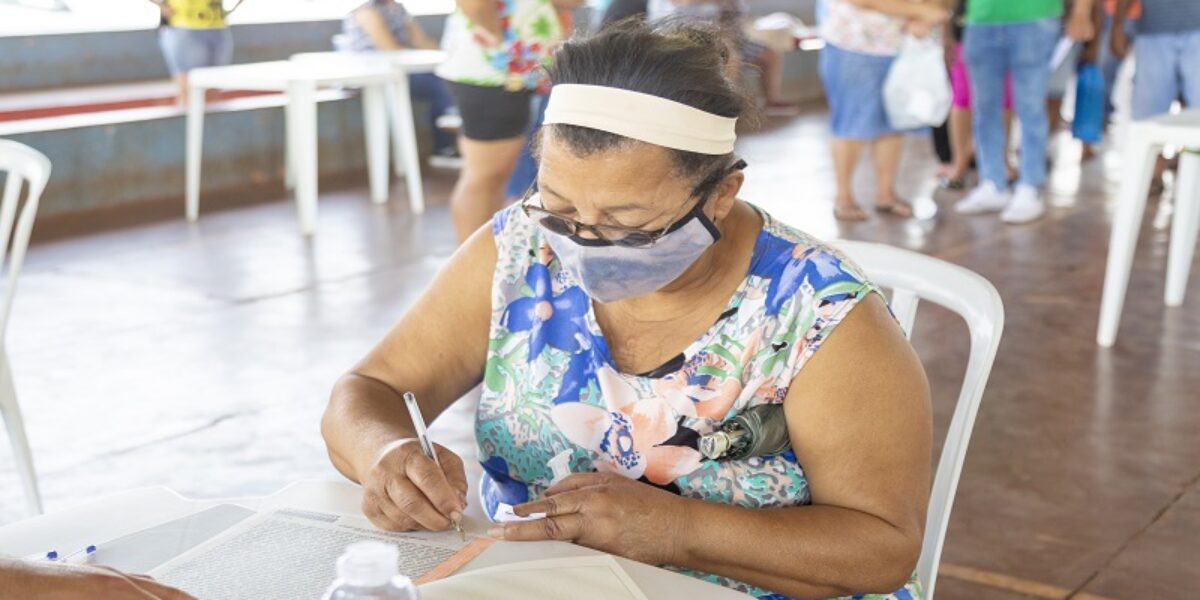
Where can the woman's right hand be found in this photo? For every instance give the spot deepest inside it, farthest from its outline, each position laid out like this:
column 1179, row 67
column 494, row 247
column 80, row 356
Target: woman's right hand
column 56, row 581
column 404, row 490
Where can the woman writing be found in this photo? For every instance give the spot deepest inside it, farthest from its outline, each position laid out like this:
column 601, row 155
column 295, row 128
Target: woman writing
column 632, row 308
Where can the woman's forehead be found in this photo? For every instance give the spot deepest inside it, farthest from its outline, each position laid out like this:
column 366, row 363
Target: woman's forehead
column 626, row 165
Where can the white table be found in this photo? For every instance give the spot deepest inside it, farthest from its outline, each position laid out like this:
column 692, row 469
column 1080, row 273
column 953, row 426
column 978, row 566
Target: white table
column 1141, row 151
column 399, row 103
column 300, row 82
column 126, row 512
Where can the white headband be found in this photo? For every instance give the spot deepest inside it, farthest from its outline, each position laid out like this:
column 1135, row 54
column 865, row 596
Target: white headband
column 642, row 117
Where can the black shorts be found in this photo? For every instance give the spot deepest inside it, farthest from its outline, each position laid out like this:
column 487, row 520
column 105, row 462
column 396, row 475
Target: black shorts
column 491, row 113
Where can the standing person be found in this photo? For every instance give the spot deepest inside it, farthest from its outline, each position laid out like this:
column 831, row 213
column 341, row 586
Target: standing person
column 962, row 142
column 1014, row 38
column 1110, row 63
column 862, row 39
column 387, row 25
column 730, row 16
column 193, row 33
column 1167, row 54
column 495, row 51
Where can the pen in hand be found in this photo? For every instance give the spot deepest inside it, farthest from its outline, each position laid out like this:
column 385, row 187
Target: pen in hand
column 414, row 412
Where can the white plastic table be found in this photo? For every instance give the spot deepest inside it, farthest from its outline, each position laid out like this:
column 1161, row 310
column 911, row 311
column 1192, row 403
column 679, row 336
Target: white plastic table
column 300, row 82
column 1146, row 139
column 126, row 512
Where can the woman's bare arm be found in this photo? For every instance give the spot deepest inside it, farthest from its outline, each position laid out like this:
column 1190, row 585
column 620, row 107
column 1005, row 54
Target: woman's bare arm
column 859, row 418
column 437, row 350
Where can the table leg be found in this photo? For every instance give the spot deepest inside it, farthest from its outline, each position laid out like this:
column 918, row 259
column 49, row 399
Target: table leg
column 1184, row 228
column 394, row 126
column 194, row 149
column 406, row 133
column 1138, row 168
column 289, row 161
column 303, row 100
column 376, row 132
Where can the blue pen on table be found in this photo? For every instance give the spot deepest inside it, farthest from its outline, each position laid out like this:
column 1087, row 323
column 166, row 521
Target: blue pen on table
column 414, row 412
column 80, row 556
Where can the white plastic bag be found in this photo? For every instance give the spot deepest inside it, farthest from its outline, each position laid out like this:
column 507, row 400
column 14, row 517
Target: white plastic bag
column 917, row 90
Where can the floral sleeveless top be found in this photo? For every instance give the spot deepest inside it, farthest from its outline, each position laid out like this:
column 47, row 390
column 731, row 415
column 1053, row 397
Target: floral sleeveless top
column 551, row 390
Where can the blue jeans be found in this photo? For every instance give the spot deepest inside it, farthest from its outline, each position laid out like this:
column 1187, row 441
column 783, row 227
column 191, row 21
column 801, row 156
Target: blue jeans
column 427, row 87
column 525, row 174
column 187, row 49
column 1109, row 63
column 1168, row 66
column 1022, row 51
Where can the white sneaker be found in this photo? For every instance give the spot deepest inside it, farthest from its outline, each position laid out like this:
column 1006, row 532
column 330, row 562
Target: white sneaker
column 1026, row 206
column 985, row 198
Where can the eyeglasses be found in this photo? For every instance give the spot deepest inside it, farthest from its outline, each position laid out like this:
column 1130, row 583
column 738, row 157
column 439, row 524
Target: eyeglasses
column 619, row 235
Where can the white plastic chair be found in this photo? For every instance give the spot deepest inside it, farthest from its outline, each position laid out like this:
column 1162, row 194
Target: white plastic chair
column 1146, row 140
column 912, row 277
column 23, row 166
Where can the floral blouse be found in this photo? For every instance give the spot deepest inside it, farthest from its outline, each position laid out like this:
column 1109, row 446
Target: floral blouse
column 532, row 30
column 552, row 391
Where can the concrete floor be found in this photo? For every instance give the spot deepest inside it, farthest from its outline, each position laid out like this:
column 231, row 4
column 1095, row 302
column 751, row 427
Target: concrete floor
column 199, row 357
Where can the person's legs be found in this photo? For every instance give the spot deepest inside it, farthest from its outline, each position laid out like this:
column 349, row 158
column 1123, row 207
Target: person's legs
column 1189, row 67
column 479, row 192
column 854, row 89
column 770, row 64
column 987, row 64
column 1031, row 77
column 885, row 154
column 1156, row 81
column 845, row 159
column 219, row 44
column 961, row 142
column 493, row 131
column 171, row 41
column 983, row 49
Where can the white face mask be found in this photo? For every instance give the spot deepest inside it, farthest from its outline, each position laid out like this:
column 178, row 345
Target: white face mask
column 609, row 273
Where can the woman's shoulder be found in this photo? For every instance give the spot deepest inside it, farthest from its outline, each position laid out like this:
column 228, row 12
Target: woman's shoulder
column 789, row 263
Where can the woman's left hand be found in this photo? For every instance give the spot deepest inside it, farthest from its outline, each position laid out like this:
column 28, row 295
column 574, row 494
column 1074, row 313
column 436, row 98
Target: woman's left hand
column 607, row 512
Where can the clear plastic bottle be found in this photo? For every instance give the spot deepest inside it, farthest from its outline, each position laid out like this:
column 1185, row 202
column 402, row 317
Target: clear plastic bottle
column 371, row 571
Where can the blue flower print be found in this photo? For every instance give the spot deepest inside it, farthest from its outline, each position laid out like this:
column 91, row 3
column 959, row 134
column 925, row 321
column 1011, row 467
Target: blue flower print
column 555, row 320
column 498, row 486
column 581, row 369
column 788, row 265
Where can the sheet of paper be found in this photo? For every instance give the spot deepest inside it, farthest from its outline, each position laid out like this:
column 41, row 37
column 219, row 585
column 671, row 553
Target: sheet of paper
column 292, row 554
column 582, row 578
column 505, row 514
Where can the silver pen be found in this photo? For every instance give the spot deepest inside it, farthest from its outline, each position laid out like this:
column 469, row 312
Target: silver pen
column 414, row 413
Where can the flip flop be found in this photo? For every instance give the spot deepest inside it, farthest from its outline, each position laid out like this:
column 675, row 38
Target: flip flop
column 851, row 213
column 897, row 208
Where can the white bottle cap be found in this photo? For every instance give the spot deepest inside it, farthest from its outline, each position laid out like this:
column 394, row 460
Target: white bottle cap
column 369, row 564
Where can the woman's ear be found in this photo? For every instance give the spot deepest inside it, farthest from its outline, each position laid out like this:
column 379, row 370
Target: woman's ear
column 726, row 193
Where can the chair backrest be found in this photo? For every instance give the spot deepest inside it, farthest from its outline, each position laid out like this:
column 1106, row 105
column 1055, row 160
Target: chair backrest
column 912, row 277
column 23, row 167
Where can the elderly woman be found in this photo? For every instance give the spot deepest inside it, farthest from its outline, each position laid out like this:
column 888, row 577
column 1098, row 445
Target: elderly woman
column 631, row 309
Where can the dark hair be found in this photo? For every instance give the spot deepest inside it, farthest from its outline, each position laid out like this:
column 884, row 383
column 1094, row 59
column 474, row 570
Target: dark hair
column 684, row 62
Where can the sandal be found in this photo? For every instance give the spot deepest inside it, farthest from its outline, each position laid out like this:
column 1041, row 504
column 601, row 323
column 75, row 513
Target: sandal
column 896, row 208
column 849, row 213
